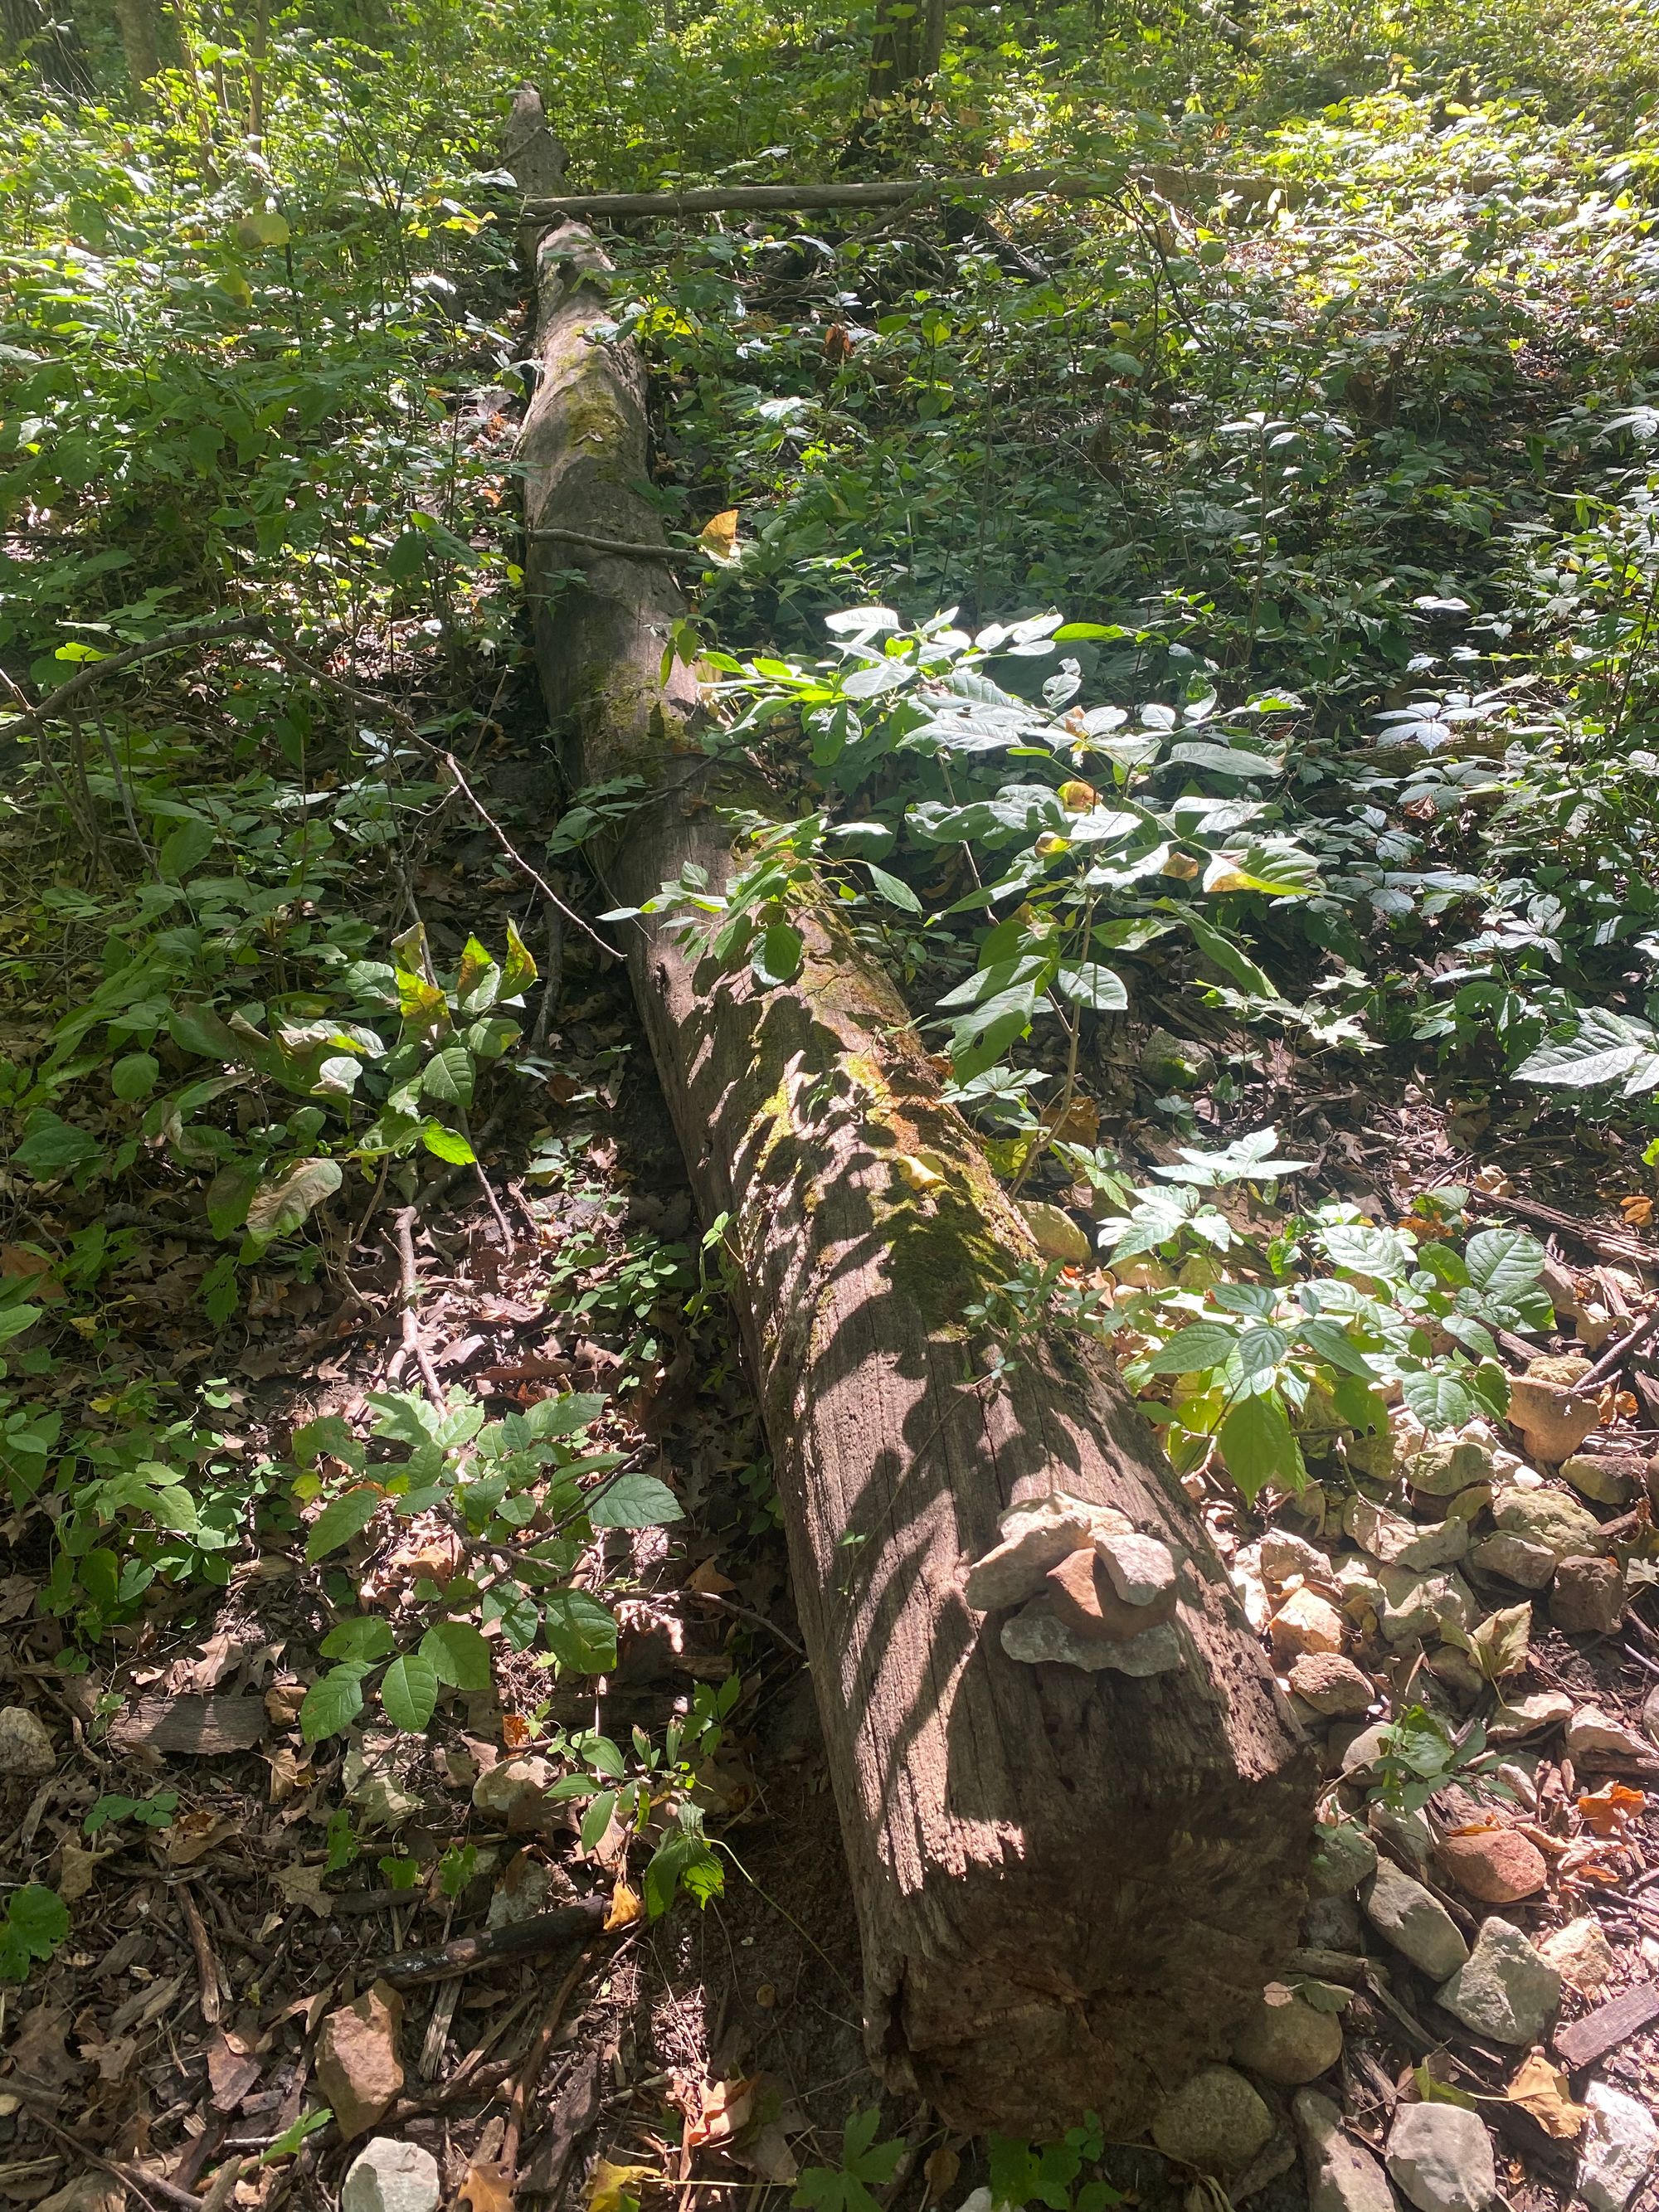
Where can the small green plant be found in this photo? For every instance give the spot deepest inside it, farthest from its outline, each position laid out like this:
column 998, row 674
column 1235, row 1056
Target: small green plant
column 37, row 1921
column 155, row 1811
column 1022, row 2173
column 864, row 2164
column 1421, row 1754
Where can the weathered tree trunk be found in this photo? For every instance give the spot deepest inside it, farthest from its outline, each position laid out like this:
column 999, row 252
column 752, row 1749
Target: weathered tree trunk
column 1069, row 1884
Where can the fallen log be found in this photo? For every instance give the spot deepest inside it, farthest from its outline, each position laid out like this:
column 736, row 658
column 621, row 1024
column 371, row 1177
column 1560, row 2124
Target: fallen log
column 1068, row 1883
column 1186, row 188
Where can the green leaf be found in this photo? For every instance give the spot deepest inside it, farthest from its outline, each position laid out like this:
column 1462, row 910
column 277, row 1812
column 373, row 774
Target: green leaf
column 52, row 1148
column 1329, row 1339
column 634, row 1501
column 187, row 846
column 1258, row 1447
column 595, row 1819
column 447, row 1144
column 291, row 2139
column 279, row 1206
column 1438, row 1400
column 1604, row 1047
column 38, row 1919
column 134, row 1075
column 518, row 968
column 777, row 956
column 340, row 1520
column 1230, row 958
column 1091, row 985
column 363, row 1637
column 409, row 1691
column 894, row 889
column 1503, row 1262
column 1381, row 1254
column 478, row 984
column 1191, row 1351
column 228, row 1198
column 329, row 1432
column 582, row 1633
column 458, row 1654
column 447, row 1076
column 562, row 1416
column 332, row 1703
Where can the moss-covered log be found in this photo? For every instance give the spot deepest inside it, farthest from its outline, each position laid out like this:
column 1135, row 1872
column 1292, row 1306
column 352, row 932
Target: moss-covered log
column 1069, row 1883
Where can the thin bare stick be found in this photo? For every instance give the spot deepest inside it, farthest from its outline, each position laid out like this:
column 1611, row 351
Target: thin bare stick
column 513, row 854
column 629, row 548
column 530, row 2074
column 408, row 1287
column 484, row 1183
column 583, row 1923
column 1616, row 1354
column 93, row 673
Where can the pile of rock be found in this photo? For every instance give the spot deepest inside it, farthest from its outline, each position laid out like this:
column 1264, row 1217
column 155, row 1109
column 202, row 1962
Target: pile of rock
column 1091, row 1590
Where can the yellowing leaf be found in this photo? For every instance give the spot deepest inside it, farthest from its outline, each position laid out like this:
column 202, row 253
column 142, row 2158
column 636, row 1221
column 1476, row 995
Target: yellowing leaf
column 1541, row 2089
column 719, row 538
column 919, row 1172
column 609, row 2187
column 1608, row 1809
column 1637, row 1211
column 625, row 1908
column 487, row 2186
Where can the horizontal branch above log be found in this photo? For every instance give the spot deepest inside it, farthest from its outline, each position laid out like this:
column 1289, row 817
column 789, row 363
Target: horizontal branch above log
column 1185, row 188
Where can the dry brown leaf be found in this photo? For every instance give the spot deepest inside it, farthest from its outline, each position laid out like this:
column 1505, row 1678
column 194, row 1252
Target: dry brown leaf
column 719, row 535
column 939, row 2170
column 1606, row 1810
column 707, row 1578
column 515, row 1731
column 726, row 2110
column 288, row 1772
column 194, row 1835
column 487, row 2186
column 303, row 1884
column 283, row 1701
column 76, row 1870
column 1542, row 2090
column 1638, row 1210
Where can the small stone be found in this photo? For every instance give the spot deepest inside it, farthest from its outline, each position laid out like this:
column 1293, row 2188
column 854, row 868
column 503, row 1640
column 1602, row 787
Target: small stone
column 1057, row 1236
column 1344, row 1856
column 1332, row 1685
column 358, row 2069
column 1515, row 1559
column 1407, row 1835
column 382, row 1800
column 1035, row 1537
column 1286, row 2039
column 1140, row 1568
column 1441, row 2155
column 512, row 1791
column 1305, row 1622
column 1588, row 1597
column 1580, row 1953
column 1037, row 1637
column 1396, row 1541
column 1217, row 2122
column 1413, row 1921
column 1365, row 1750
column 388, row 2176
column 1620, row 2138
column 1083, row 1597
column 1603, row 1481
column 1528, row 1715
column 1331, row 1923
column 1551, row 1416
column 1282, row 1555
column 1371, row 1455
column 1597, row 1736
column 1416, row 1605
column 1342, row 2175
column 1552, row 1518
column 522, row 1892
column 1457, row 1671
column 1650, row 1712
column 1494, row 1865
column 1173, row 1063
column 1563, row 1370
column 1559, row 1287
column 1505, row 1991
column 25, row 1747
column 1441, row 1470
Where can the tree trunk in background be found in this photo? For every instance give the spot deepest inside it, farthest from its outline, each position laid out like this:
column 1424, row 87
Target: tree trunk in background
column 1068, row 1885
column 909, row 37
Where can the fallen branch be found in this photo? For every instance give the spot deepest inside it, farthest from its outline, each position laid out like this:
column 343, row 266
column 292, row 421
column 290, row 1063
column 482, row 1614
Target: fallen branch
column 409, row 1297
column 629, row 548
column 1551, row 1217
column 521, row 1939
column 1616, row 1354
column 92, row 673
column 1183, row 188
column 527, row 2080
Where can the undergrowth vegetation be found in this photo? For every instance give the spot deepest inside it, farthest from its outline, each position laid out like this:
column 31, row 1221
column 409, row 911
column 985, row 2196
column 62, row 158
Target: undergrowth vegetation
column 1228, row 600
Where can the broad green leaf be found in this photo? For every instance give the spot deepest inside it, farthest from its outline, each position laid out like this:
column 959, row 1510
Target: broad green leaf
column 1326, row 1336
column 186, row 848
column 228, row 1198
column 777, row 956
column 634, row 1501
column 1230, row 958
column 340, row 1519
column 447, row 1144
column 280, row 1206
column 458, row 1654
column 595, row 1819
column 447, row 1076
column 409, row 1691
column 363, row 1637
column 518, row 968
column 1091, row 985
column 1502, row 1262
column 562, row 1416
column 1438, row 1398
column 329, row 1432
column 38, row 1919
column 52, row 1148
column 894, row 889
column 1382, row 1254
column 134, row 1075
column 1605, row 1047
column 1194, row 1350
column 1258, row 1447
column 580, row 1633
column 478, row 984
column 332, row 1703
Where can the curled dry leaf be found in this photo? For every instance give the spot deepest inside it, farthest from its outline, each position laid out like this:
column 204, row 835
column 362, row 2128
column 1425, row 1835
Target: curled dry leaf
column 1608, row 1809
column 1542, row 2090
column 487, row 2186
column 625, row 1908
column 939, row 2171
